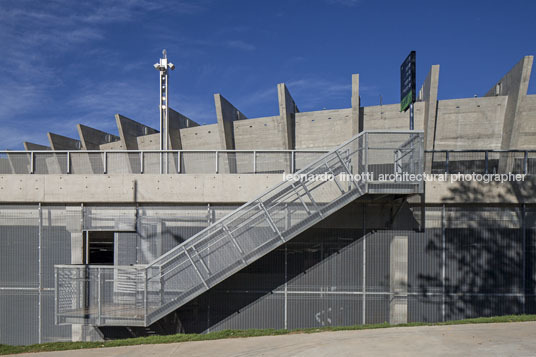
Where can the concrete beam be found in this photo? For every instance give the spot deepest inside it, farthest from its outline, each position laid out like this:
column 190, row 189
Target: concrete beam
column 130, row 129
column 92, row 139
column 178, row 121
column 514, row 85
column 357, row 125
column 60, row 142
column 287, row 111
column 226, row 114
column 34, row 147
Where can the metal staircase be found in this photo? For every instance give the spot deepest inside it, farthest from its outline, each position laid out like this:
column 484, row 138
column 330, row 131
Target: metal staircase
column 141, row 295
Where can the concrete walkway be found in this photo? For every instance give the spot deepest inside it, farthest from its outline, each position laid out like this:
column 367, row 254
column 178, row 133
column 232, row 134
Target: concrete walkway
column 505, row 339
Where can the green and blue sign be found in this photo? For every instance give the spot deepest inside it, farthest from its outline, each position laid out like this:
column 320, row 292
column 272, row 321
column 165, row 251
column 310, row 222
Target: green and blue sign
column 408, row 85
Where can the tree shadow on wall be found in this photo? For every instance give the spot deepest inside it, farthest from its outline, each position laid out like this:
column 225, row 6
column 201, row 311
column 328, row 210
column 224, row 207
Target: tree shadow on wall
column 484, row 255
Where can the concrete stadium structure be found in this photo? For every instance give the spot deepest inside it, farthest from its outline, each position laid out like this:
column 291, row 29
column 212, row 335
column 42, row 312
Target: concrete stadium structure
column 84, row 222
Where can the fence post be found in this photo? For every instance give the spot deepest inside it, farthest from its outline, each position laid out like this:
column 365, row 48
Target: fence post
column 68, row 162
column 141, row 162
column 105, row 161
column 179, row 159
column 447, row 162
column 525, row 162
column 32, row 162
column 254, row 162
column 217, row 162
column 145, row 303
column 55, row 295
column 99, row 292
column 486, row 162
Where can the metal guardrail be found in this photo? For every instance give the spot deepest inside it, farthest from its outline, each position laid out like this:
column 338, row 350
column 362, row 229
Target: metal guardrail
column 140, row 295
column 482, row 161
column 151, row 161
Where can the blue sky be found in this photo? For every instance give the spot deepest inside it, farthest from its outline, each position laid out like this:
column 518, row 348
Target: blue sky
column 63, row 62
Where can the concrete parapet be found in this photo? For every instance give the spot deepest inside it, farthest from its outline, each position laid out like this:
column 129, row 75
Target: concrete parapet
column 470, row 123
column 389, row 117
column 527, row 117
column 324, row 129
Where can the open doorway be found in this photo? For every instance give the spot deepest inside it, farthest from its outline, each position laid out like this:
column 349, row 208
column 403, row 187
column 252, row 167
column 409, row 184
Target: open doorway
column 99, row 247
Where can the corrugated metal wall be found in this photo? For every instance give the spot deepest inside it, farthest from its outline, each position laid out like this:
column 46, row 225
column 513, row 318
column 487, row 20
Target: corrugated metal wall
column 469, row 262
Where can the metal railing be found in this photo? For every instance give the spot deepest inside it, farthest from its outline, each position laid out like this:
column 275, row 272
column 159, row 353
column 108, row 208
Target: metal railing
column 150, row 161
column 481, row 161
column 140, row 295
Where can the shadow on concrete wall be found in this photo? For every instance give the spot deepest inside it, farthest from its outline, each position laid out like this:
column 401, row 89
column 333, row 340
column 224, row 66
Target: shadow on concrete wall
column 489, row 257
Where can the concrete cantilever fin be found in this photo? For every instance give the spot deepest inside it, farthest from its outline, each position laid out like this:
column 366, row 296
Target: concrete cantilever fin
column 356, row 103
column 92, row 139
column 60, row 142
column 178, row 121
column 287, row 109
column 57, row 164
column 515, row 85
column 130, row 130
column 226, row 114
column 429, row 96
column 34, row 147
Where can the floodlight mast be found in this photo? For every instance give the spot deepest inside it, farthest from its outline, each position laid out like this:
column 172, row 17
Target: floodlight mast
column 163, row 67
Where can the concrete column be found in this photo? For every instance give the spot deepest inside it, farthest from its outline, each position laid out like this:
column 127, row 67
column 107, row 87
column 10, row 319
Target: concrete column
column 287, row 109
column 429, row 96
column 356, row 103
column 74, row 226
column 398, row 269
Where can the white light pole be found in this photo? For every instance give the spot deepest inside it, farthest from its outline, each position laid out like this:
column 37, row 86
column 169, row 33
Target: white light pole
column 163, row 67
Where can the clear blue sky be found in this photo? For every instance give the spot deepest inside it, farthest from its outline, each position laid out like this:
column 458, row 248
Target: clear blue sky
column 64, row 63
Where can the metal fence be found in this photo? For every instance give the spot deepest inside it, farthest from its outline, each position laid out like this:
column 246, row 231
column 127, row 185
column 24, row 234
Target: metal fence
column 156, row 162
column 140, row 295
column 482, row 161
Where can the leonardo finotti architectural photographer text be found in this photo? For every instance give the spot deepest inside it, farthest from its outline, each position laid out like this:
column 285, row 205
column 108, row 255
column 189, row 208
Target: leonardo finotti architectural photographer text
column 408, row 177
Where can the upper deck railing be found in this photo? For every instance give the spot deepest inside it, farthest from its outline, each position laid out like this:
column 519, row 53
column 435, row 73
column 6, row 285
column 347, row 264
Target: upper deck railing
column 482, row 161
column 150, row 161
column 241, row 161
